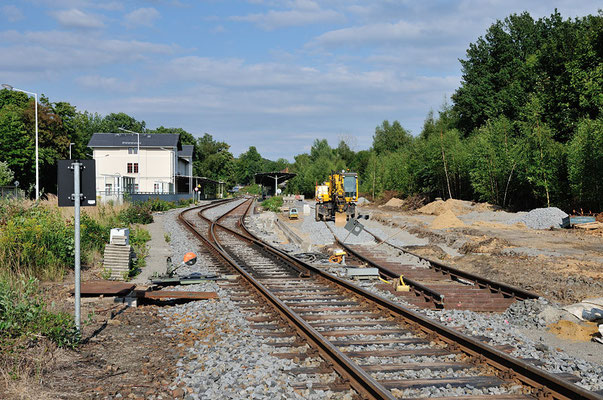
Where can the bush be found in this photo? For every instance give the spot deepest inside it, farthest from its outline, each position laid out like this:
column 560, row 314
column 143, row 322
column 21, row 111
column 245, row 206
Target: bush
column 24, row 317
column 35, row 241
column 160, row 205
column 138, row 213
column 185, row 202
column 93, row 235
column 273, row 203
column 138, row 240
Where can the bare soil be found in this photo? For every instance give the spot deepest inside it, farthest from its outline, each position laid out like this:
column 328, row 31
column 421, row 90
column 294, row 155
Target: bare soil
column 565, row 265
column 123, row 351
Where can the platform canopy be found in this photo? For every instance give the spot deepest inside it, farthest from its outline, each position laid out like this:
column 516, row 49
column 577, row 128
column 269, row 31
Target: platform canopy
column 270, row 179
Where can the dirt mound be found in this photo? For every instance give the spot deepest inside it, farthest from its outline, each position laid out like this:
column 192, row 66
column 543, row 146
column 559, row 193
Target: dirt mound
column 489, row 245
column 481, row 207
column 438, row 207
column 394, row 202
column 446, row 220
column 568, row 330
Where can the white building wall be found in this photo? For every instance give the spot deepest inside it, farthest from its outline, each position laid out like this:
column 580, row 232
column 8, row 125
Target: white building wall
column 156, row 166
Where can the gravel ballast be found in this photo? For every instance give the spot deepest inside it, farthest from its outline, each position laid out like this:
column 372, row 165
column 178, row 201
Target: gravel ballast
column 223, row 357
column 500, row 329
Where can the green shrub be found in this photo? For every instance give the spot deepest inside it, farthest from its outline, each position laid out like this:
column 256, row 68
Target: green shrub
column 137, row 213
column 35, row 241
column 24, row 317
column 185, row 202
column 160, row 205
column 93, row 235
column 138, row 240
column 273, row 204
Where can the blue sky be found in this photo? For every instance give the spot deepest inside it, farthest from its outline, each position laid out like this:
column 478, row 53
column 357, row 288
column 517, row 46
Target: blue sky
column 274, row 74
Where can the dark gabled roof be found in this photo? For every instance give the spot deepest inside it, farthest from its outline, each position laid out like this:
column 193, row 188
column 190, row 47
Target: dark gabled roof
column 130, row 140
column 268, row 178
column 187, row 151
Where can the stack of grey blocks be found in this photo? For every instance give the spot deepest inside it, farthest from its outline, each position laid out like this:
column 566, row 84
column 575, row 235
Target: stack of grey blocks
column 117, row 254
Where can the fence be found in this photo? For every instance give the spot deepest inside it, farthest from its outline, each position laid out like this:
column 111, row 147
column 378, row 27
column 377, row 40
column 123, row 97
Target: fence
column 11, row 192
column 174, row 197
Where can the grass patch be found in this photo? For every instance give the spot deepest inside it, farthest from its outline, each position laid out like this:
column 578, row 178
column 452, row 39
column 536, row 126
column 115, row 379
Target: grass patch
column 25, row 318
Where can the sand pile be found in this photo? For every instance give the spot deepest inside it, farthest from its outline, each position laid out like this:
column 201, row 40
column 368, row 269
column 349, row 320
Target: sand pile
column 394, row 202
column 446, row 220
column 438, row 207
column 569, row 330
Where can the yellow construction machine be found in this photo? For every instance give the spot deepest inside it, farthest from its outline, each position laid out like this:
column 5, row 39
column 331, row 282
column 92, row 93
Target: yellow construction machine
column 336, row 198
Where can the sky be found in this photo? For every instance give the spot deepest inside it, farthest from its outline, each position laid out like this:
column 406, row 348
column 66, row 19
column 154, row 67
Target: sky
column 264, row 73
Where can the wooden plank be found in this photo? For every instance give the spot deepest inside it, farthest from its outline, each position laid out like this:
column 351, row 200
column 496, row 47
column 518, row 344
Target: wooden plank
column 168, row 294
column 105, row 288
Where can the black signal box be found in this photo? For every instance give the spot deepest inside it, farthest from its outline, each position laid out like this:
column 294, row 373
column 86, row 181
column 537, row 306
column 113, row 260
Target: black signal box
column 87, row 183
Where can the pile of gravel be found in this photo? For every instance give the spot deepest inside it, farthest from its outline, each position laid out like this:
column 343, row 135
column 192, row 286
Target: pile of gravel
column 541, row 218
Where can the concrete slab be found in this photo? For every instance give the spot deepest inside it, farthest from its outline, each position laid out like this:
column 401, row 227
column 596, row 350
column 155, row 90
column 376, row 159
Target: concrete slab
column 159, row 250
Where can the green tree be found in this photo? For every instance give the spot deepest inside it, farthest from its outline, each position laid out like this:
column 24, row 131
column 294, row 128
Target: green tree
column 17, row 145
column 248, row 164
column 320, row 149
column 585, row 164
column 558, row 61
column 541, row 156
column 6, row 175
column 493, row 156
column 390, row 138
column 112, row 122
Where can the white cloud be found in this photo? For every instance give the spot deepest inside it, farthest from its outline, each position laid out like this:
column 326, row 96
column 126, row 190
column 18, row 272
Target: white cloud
column 56, row 51
column 107, row 84
column 141, row 17
column 303, row 12
column 75, row 18
column 11, row 13
column 374, row 33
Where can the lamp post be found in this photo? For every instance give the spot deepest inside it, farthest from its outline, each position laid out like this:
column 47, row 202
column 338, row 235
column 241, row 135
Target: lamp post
column 137, row 152
column 70, row 144
column 9, row 87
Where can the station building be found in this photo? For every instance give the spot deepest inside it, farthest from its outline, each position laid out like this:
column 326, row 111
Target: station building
column 147, row 165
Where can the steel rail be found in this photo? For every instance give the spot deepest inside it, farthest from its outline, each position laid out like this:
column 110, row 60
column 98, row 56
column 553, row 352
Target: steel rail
column 547, row 385
column 429, row 294
column 484, row 283
column 358, row 379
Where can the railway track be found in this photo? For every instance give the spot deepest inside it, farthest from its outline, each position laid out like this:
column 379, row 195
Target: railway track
column 359, row 340
column 439, row 285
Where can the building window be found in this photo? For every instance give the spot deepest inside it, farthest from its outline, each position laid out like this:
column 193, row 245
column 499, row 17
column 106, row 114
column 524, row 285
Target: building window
column 129, row 185
column 108, row 188
column 132, row 150
column 132, row 168
column 156, row 187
